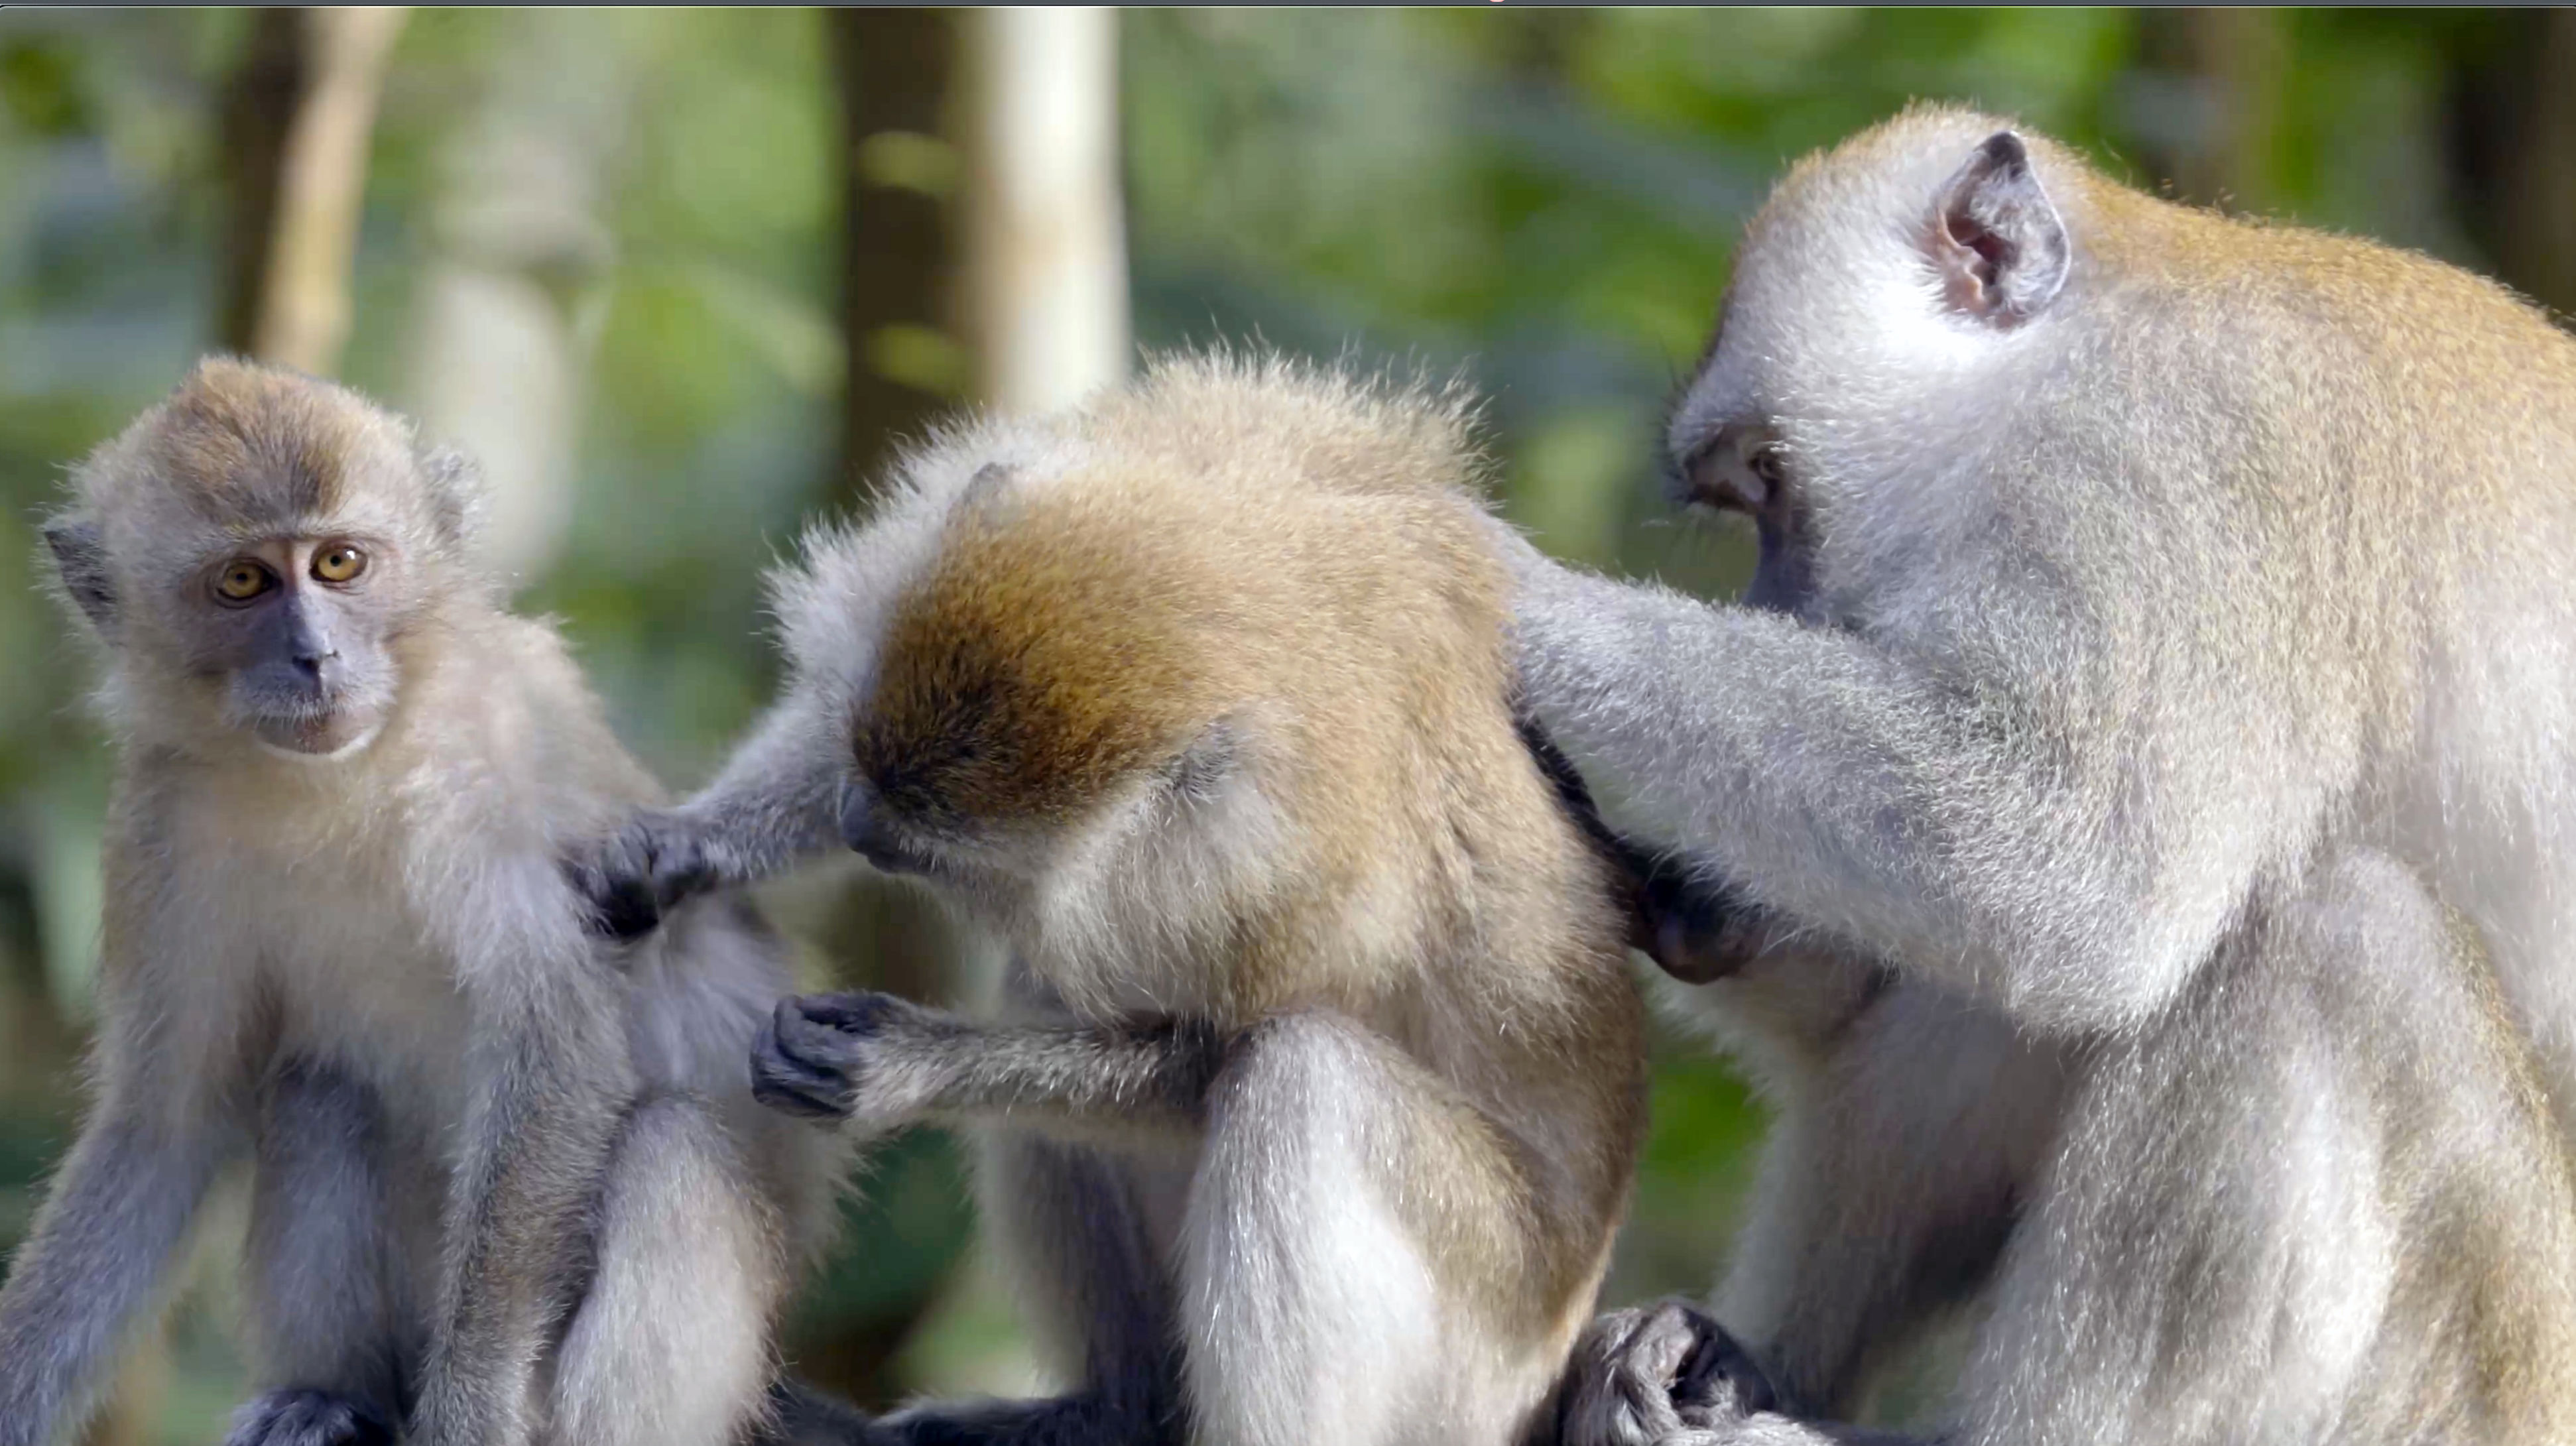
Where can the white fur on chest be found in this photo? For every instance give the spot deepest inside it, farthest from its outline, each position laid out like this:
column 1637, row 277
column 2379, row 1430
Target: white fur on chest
column 326, row 938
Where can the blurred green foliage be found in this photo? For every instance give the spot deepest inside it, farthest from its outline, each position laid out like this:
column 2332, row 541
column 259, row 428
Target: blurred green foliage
column 1544, row 200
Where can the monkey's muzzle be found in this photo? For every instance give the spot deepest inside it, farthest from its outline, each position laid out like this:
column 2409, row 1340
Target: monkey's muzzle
column 864, row 829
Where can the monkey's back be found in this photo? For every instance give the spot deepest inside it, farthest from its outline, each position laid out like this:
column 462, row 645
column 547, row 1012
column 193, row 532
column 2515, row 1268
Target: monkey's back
column 1297, row 561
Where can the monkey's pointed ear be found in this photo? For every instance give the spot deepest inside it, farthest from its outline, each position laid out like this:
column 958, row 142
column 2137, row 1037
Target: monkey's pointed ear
column 455, row 494
column 985, row 486
column 80, row 561
column 1996, row 239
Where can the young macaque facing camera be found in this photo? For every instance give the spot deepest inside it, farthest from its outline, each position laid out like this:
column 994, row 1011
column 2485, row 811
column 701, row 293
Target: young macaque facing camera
column 1324, row 1077
column 2152, row 707
column 507, row 1181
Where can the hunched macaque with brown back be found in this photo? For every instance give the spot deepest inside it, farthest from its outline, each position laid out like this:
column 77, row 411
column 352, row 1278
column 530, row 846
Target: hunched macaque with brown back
column 2153, row 707
column 1326, row 1075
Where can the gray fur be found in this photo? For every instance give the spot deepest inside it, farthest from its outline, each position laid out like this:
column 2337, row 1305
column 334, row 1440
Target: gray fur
column 2167, row 693
column 340, row 1312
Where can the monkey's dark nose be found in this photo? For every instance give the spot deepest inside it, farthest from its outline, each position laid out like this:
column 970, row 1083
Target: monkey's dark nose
column 311, row 661
column 865, row 832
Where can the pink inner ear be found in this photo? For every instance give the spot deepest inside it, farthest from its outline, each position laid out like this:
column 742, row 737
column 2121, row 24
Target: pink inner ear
column 1974, row 257
column 1992, row 250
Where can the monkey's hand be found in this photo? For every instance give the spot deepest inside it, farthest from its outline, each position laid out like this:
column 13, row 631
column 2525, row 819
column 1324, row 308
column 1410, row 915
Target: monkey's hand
column 872, row 1059
column 1658, row 1373
column 1695, row 928
column 635, row 876
column 308, row 1418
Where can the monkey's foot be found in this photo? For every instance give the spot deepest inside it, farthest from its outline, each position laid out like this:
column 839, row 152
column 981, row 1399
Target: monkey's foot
column 1655, row 1374
column 1062, row 1421
column 308, row 1418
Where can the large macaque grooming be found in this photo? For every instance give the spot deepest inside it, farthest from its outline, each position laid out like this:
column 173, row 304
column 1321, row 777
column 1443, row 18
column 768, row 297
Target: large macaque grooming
column 2155, row 700
column 508, row 1182
column 1327, row 1079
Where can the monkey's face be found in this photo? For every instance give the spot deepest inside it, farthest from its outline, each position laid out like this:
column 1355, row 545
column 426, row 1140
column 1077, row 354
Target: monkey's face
column 253, row 551
column 1889, row 299
column 298, row 628
column 1743, row 468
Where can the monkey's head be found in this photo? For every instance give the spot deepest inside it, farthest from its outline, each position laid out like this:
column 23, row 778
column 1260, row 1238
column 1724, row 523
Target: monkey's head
column 253, row 551
column 1213, row 650
column 1889, row 298
column 1050, row 704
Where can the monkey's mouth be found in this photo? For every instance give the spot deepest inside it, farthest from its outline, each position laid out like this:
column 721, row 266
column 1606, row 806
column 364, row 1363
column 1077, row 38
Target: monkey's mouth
column 308, row 725
column 336, row 733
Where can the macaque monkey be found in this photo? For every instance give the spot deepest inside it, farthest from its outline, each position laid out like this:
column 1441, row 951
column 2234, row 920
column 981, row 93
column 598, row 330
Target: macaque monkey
column 1325, row 1075
column 508, row 1181
column 2147, row 730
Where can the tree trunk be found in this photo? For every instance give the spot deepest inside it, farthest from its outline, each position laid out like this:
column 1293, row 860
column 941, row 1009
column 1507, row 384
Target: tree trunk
column 2514, row 150
column 301, row 112
column 894, row 68
column 1046, row 245
column 2221, row 137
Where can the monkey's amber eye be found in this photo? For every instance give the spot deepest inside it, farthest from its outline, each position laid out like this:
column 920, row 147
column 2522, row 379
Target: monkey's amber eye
column 338, row 563
column 242, row 579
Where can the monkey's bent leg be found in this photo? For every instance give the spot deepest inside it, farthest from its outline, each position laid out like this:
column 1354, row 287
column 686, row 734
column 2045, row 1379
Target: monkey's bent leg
column 331, row 1304
column 2318, row 1201
column 556, row 1083
column 669, row 1344
column 1315, row 1306
column 1887, row 1190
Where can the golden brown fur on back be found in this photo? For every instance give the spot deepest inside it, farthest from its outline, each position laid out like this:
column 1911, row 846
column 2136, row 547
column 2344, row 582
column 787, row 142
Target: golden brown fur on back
column 1302, row 552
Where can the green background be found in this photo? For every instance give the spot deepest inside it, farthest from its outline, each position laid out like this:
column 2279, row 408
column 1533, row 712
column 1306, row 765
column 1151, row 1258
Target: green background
column 1544, row 199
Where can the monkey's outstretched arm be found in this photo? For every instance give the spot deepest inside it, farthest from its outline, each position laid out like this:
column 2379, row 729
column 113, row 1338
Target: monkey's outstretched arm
column 1973, row 832
column 776, row 803
column 550, row 1050
column 879, row 1060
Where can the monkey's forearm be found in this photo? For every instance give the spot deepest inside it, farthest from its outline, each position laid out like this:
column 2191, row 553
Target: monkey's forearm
column 1840, row 785
column 111, row 1223
column 776, row 803
column 1147, row 1079
column 876, row 1059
